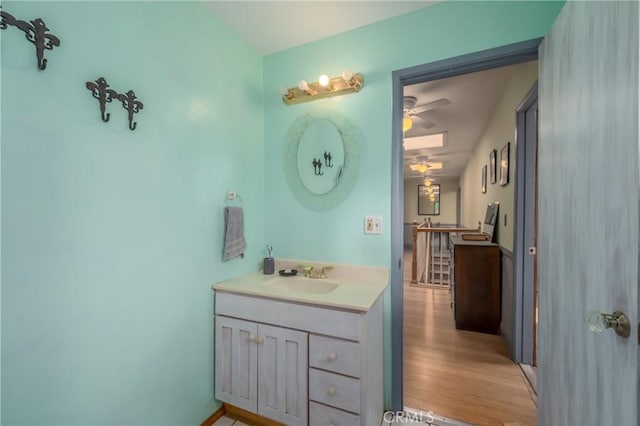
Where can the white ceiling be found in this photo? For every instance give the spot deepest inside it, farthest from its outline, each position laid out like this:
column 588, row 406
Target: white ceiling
column 272, row 26
column 473, row 98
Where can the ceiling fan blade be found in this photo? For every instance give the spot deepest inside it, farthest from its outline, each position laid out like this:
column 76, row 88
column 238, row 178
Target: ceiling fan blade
column 425, row 124
column 433, row 156
column 438, row 103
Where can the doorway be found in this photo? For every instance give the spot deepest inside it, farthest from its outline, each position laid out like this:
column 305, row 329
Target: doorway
column 508, row 55
column 525, row 262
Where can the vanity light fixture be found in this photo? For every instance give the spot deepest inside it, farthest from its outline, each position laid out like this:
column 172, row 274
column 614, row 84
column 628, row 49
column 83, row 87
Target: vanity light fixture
column 325, row 87
column 286, row 93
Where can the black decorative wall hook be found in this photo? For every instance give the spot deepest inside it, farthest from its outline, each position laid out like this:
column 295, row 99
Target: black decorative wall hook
column 100, row 90
column 317, row 166
column 36, row 32
column 132, row 106
column 327, row 159
column 6, row 19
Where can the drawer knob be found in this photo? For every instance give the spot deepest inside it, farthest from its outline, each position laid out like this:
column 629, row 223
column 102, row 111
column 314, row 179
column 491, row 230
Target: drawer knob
column 331, row 357
column 331, row 391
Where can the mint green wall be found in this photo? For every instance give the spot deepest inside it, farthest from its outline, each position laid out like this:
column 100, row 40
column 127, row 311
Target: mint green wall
column 111, row 239
column 438, row 32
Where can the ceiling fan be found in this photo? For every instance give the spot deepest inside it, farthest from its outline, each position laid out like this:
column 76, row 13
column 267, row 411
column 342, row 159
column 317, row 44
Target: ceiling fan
column 411, row 111
column 422, row 165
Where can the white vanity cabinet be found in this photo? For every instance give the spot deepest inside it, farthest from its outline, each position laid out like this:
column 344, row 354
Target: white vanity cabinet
column 340, row 352
column 262, row 369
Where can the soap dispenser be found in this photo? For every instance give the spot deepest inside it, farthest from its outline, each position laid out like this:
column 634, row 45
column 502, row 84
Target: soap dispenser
column 268, row 264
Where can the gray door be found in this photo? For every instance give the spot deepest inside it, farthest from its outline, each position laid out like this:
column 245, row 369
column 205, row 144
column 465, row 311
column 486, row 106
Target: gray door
column 588, row 214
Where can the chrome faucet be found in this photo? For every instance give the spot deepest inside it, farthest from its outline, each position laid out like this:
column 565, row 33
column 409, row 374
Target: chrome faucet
column 310, row 271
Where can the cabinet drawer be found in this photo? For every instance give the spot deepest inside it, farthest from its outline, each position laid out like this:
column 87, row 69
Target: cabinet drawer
column 335, row 390
column 315, row 319
column 340, row 356
column 321, row 415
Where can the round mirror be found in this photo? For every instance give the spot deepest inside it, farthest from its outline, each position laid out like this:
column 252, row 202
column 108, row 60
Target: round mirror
column 320, row 156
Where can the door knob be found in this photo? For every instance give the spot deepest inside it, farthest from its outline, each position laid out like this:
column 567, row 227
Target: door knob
column 617, row 321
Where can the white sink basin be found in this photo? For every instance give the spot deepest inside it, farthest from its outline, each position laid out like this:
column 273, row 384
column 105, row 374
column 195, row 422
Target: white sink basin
column 301, row 285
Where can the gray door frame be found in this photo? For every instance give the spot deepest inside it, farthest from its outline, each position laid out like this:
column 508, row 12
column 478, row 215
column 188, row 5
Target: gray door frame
column 524, row 228
column 478, row 61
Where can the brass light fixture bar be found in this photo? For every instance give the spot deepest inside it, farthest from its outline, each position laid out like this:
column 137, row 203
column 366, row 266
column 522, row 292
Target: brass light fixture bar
column 325, row 87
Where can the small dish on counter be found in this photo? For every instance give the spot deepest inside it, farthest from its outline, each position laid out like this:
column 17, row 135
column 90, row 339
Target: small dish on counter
column 288, row 272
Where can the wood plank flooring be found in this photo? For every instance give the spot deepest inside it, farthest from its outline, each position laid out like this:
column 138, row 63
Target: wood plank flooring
column 462, row 375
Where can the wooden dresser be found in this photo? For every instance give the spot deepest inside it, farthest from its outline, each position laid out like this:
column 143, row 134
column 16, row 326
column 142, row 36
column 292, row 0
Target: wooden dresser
column 475, row 285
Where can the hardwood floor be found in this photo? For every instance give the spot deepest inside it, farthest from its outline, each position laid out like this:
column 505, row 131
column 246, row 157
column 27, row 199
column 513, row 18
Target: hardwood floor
column 462, row 375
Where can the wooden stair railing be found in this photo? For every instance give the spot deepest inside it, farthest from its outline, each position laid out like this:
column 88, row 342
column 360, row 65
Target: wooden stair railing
column 418, row 229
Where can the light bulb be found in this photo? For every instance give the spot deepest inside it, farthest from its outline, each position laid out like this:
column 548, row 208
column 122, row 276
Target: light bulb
column 427, row 182
column 407, row 124
column 347, row 75
column 303, row 85
column 323, row 80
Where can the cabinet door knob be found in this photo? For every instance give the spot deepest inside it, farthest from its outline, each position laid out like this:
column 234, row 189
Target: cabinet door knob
column 331, row 391
column 331, row 357
column 252, row 338
column 259, row 340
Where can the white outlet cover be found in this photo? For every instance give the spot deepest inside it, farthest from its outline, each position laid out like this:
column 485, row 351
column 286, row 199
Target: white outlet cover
column 373, row 224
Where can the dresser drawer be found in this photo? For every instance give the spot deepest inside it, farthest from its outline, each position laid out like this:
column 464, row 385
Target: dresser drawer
column 335, row 390
column 321, row 415
column 340, row 356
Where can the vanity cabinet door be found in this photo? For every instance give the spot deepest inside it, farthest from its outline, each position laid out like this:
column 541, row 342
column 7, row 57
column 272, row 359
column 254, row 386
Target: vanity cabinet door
column 236, row 362
column 282, row 374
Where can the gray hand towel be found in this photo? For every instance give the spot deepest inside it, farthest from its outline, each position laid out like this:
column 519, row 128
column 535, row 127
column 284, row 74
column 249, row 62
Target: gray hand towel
column 234, row 242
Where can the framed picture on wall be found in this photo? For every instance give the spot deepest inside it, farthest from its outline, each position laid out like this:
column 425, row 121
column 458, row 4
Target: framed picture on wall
column 492, row 165
column 429, row 200
column 484, row 179
column 504, row 164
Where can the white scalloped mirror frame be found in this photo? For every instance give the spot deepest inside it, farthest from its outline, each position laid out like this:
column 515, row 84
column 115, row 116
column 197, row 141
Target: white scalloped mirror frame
column 352, row 141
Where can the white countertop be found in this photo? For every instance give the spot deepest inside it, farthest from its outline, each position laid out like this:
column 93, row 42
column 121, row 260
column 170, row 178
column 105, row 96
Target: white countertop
column 358, row 287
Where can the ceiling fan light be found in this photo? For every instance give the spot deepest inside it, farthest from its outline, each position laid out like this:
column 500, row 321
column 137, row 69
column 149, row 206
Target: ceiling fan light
column 418, row 168
column 407, row 124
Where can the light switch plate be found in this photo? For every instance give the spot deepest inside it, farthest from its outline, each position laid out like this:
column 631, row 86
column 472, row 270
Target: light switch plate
column 373, row 224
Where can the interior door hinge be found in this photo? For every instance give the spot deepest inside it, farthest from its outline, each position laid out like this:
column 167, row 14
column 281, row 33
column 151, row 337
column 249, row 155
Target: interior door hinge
column 399, row 263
